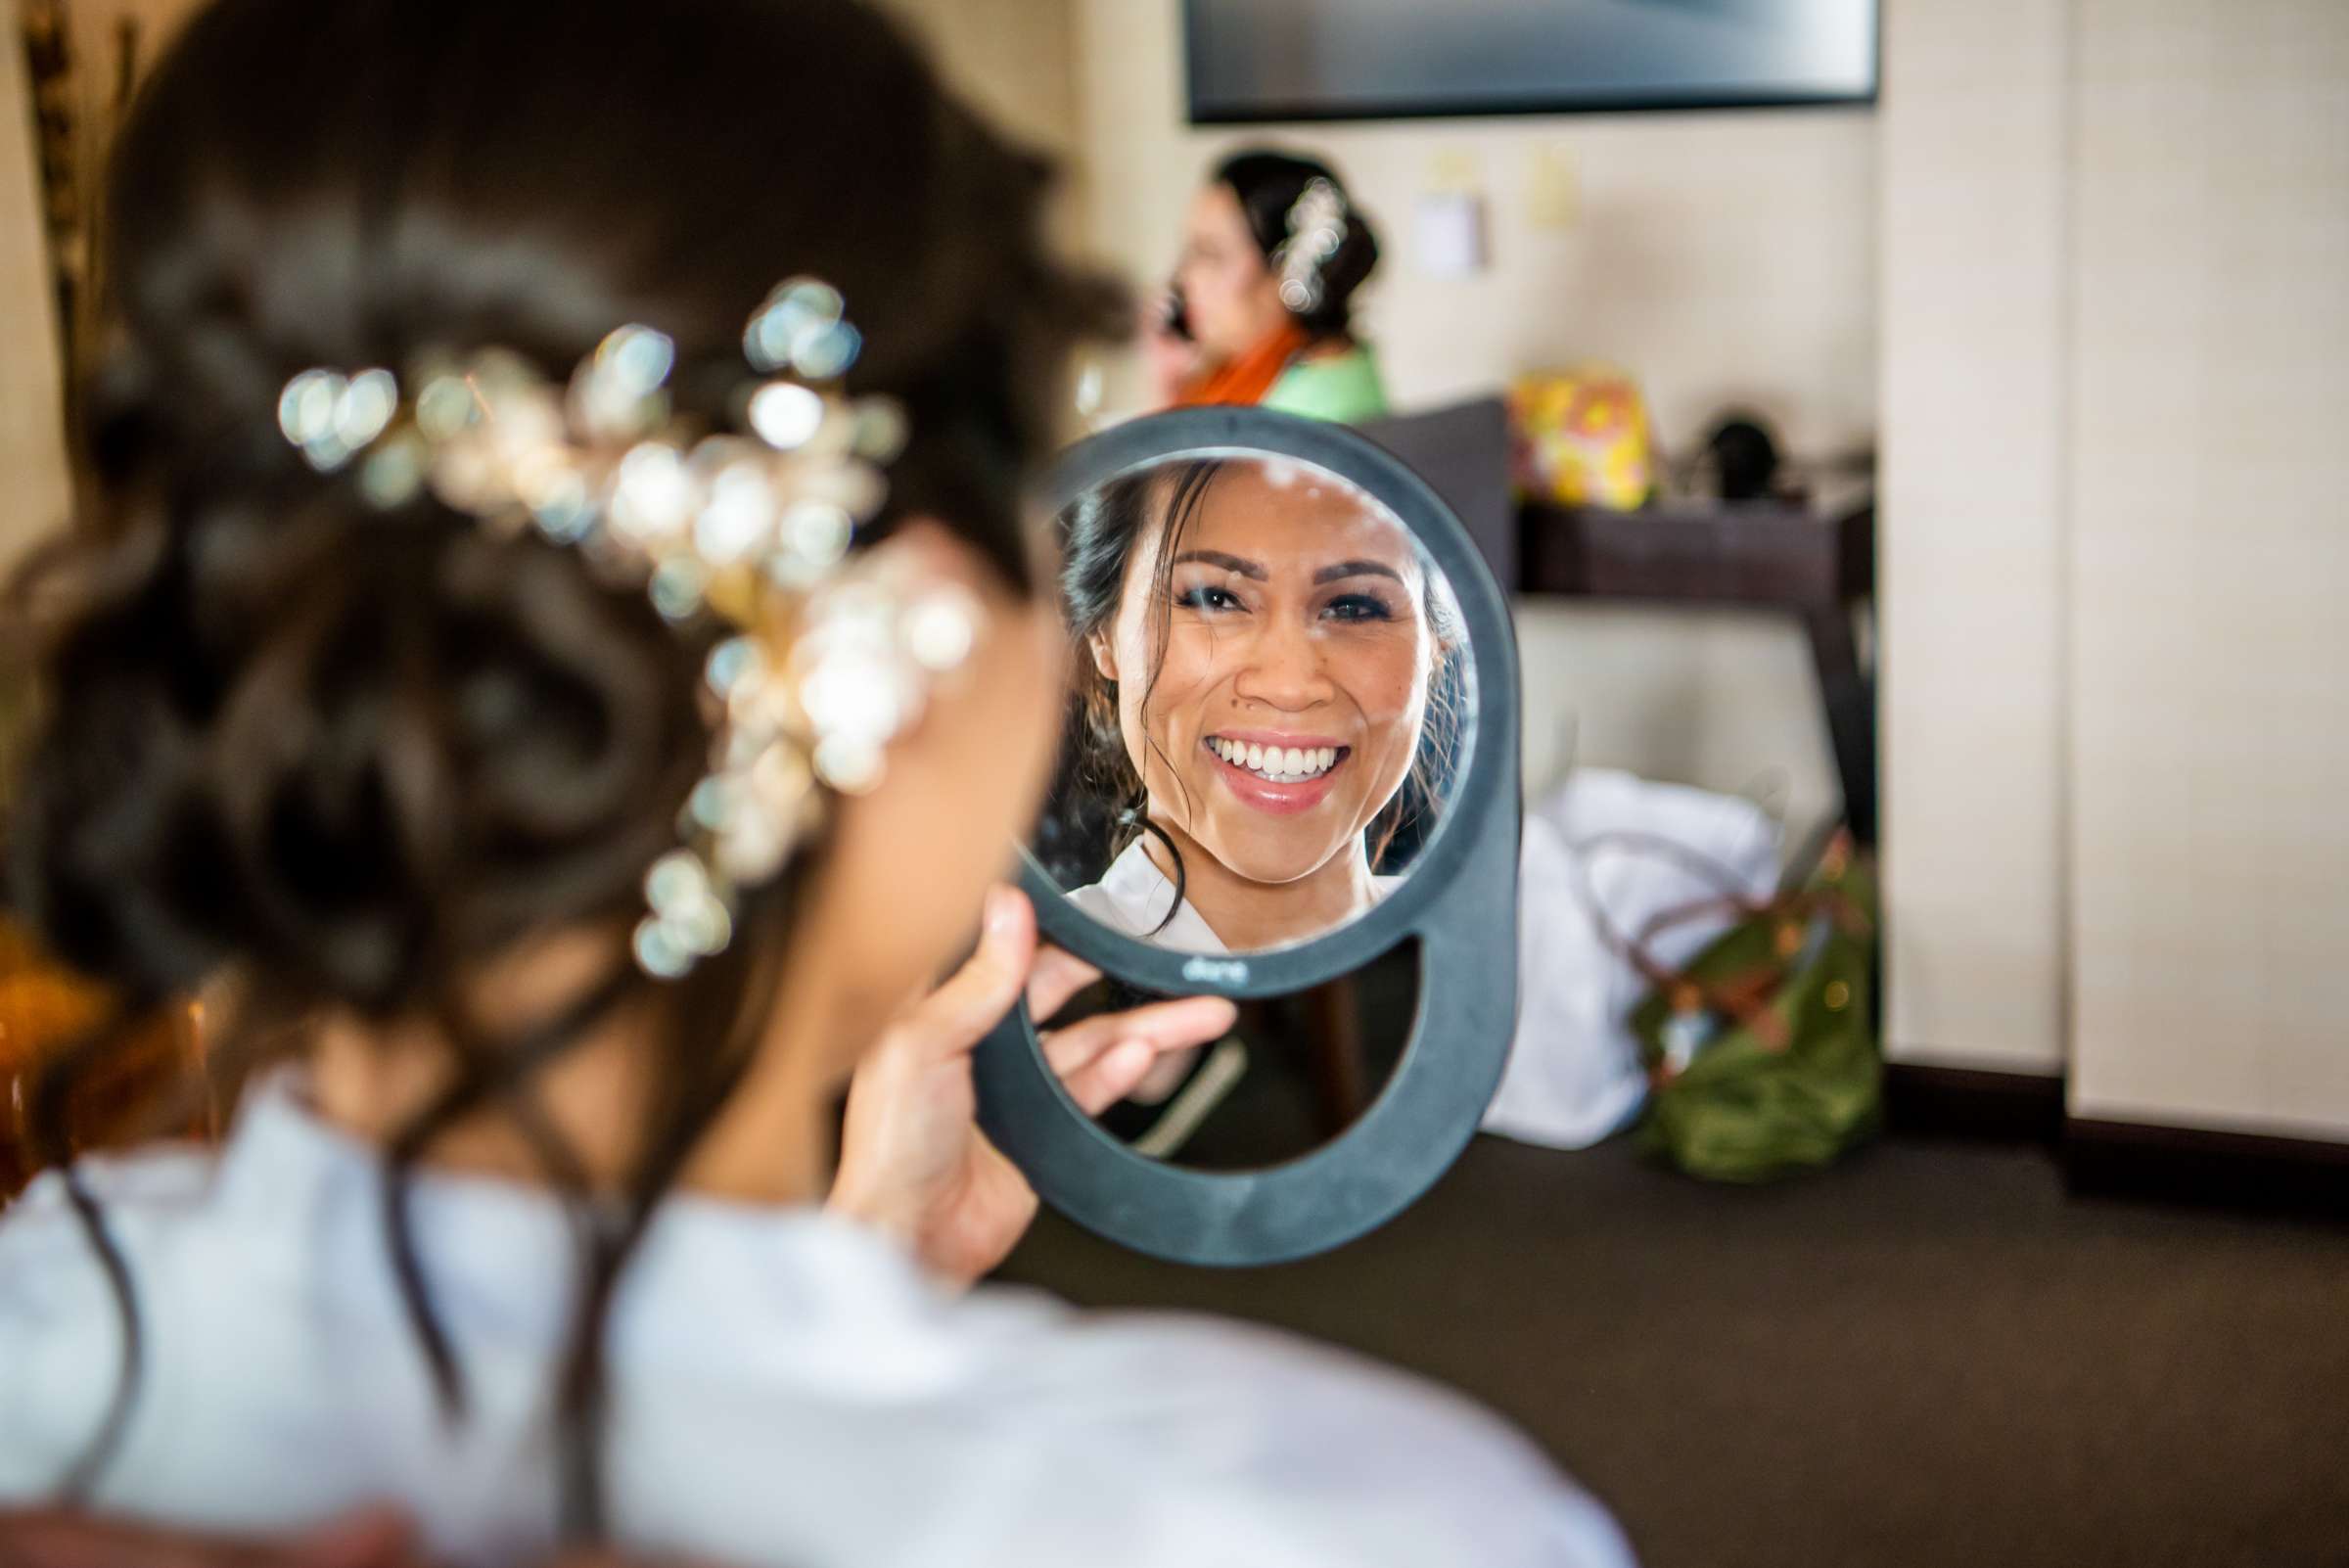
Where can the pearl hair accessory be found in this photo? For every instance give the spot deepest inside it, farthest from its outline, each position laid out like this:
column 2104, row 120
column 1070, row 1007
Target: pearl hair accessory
column 1316, row 225
column 832, row 657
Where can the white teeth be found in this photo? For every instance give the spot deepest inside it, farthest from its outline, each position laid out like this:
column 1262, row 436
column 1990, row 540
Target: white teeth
column 1281, row 764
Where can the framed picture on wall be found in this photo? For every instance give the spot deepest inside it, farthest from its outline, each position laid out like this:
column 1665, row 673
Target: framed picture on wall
column 1293, row 59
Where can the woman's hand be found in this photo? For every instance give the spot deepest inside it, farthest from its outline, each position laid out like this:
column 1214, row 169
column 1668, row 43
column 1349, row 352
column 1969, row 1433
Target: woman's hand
column 1168, row 361
column 912, row 1160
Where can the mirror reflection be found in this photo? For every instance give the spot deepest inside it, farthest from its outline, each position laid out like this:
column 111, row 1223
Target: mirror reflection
column 1269, row 697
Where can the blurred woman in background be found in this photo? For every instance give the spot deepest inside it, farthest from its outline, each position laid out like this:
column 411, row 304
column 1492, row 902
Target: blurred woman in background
column 1262, row 308
column 577, row 775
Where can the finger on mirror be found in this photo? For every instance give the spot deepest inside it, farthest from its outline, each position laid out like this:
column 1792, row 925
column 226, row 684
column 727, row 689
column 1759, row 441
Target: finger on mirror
column 1071, row 1051
column 1168, row 1026
column 1112, row 1076
column 1056, row 976
column 1184, row 1021
column 1164, row 1075
column 1004, row 905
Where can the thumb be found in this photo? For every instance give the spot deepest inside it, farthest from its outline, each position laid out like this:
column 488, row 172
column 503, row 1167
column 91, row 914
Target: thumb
column 976, row 995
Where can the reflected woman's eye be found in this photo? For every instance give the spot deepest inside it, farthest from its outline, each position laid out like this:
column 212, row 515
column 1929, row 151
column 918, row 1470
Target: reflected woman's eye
column 1358, row 606
column 1208, row 597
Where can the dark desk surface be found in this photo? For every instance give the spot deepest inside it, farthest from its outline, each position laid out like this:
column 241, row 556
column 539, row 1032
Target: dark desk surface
column 1765, row 554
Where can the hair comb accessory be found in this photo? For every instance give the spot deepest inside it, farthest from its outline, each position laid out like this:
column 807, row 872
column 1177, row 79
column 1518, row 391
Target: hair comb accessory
column 1316, row 225
column 832, row 657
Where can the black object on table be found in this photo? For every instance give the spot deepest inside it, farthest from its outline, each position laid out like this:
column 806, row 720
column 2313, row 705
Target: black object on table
column 1811, row 563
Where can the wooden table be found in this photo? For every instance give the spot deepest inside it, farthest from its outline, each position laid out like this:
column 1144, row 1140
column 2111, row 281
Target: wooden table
column 1811, row 563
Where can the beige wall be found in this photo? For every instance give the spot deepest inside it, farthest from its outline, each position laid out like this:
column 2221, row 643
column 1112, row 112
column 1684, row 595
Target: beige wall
column 31, row 424
column 2210, row 556
column 1724, row 257
column 2115, row 351
column 1971, row 544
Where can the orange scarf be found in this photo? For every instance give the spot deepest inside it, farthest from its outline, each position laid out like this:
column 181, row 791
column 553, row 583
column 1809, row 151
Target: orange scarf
column 1248, row 378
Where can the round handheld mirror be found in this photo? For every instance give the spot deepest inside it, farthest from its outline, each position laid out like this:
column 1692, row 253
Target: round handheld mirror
column 1288, row 776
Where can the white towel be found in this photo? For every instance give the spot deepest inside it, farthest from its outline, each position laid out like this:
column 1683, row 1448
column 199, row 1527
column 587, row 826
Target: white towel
column 1574, row 1073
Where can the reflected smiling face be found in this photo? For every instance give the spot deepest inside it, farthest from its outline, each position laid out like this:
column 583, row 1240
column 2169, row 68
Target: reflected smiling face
column 1286, row 709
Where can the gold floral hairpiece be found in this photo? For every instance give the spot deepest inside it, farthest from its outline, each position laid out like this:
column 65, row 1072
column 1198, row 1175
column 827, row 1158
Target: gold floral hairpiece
column 1316, row 225
column 831, row 658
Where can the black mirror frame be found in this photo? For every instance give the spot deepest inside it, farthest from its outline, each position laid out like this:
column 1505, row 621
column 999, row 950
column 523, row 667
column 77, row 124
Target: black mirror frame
column 1459, row 902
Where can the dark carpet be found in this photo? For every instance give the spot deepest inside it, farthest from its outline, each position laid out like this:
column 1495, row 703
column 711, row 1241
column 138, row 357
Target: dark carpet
column 1930, row 1354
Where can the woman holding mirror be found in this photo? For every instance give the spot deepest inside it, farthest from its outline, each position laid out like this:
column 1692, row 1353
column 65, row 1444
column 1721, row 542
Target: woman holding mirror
column 1260, row 311
column 580, row 691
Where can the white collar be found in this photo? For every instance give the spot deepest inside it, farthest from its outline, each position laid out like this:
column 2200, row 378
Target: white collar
column 1133, row 896
column 1139, row 896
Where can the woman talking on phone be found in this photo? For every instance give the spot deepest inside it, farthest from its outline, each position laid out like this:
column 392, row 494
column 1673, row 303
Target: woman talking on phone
column 1260, row 311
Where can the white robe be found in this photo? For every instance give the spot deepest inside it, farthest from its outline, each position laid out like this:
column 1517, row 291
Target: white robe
column 787, row 1389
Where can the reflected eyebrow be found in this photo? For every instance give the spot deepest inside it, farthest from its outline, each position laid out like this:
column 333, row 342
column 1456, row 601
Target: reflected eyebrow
column 1229, row 563
column 1356, row 568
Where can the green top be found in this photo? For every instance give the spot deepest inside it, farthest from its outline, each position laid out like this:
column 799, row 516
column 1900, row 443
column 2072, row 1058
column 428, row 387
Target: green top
column 1341, row 387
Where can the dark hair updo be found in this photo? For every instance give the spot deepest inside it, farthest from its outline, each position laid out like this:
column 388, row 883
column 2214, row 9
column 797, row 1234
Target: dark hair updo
column 347, row 754
column 1268, row 185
